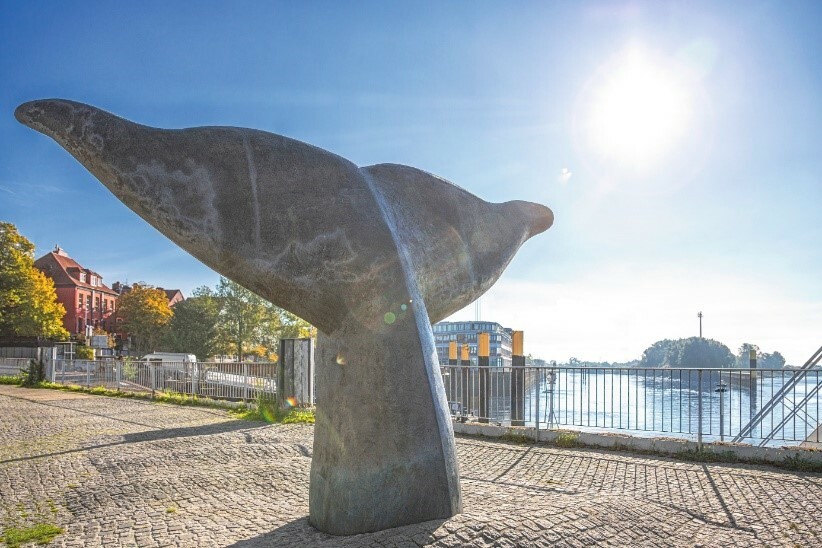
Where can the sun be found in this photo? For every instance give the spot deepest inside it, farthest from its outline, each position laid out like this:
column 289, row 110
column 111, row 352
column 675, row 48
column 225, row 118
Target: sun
column 638, row 109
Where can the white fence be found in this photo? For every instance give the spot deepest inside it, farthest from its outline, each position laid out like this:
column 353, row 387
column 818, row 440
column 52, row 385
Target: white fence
column 232, row 381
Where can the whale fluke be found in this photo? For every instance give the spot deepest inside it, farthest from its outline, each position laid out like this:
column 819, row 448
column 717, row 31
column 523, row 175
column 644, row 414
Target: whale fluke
column 371, row 256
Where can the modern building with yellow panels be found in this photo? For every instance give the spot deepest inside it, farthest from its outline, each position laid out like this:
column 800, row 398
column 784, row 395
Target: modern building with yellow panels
column 466, row 333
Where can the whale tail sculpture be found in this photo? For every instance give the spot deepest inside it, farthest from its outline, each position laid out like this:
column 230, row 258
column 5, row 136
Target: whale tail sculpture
column 371, row 256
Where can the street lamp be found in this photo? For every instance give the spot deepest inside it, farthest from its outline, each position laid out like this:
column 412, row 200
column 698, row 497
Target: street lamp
column 700, row 323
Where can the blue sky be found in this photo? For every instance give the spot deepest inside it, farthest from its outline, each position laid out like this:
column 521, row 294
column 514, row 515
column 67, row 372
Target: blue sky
column 676, row 142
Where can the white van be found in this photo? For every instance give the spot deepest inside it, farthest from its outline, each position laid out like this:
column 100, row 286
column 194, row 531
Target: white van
column 169, row 358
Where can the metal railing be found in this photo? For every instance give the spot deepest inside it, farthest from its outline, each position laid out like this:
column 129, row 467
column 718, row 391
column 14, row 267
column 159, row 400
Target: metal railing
column 702, row 404
column 232, row 381
column 12, row 366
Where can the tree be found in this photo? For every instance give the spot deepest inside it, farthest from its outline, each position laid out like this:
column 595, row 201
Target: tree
column 193, row 329
column 695, row 352
column 294, row 327
column 146, row 316
column 772, row 361
column 248, row 324
column 743, row 354
column 28, row 300
column 244, row 321
column 657, row 354
column 698, row 352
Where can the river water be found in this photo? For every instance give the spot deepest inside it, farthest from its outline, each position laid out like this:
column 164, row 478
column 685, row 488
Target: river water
column 668, row 402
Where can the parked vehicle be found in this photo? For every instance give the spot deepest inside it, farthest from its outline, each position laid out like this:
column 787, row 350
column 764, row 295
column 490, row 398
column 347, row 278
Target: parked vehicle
column 169, row 357
column 177, row 362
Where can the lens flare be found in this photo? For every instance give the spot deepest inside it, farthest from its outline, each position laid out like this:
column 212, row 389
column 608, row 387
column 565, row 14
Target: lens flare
column 291, row 402
column 341, row 359
column 389, row 318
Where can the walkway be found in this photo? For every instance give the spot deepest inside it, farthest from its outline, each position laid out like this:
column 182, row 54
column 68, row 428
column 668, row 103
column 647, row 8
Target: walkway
column 115, row 472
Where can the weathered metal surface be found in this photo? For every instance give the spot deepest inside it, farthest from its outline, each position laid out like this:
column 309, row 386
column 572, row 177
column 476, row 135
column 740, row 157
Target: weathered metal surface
column 371, row 256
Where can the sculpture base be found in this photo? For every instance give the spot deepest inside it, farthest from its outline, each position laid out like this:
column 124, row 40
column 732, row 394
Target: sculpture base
column 382, row 457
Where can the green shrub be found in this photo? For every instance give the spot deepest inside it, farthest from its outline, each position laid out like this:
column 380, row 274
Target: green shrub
column 83, row 352
column 34, row 374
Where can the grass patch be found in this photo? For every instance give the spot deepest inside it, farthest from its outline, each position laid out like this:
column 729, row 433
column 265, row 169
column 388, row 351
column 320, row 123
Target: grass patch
column 799, row 463
column 707, row 456
column 11, row 379
column 175, row 398
column 266, row 410
column 39, row 533
column 29, row 523
column 567, row 439
column 516, row 438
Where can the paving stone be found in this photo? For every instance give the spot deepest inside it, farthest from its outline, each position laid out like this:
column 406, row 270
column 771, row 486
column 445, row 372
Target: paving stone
column 114, row 468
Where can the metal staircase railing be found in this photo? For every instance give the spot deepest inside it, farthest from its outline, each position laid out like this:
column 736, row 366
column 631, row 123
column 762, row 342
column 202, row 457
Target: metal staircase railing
column 779, row 398
column 795, row 410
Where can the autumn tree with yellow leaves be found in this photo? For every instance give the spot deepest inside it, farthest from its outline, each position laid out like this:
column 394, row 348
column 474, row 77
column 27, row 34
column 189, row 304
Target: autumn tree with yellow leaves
column 146, row 316
column 28, row 300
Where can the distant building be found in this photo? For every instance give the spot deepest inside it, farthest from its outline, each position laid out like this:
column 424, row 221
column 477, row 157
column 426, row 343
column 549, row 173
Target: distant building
column 466, row 333
column 174, row 295
column 89, row 303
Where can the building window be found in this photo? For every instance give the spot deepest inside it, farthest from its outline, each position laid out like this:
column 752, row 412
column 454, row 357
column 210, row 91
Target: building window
column 97, row 303
column 88, row 302
column 83, row 277
column 80, row 301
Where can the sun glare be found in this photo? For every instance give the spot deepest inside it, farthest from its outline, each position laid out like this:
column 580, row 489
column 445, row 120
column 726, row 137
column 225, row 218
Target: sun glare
column 638, row 109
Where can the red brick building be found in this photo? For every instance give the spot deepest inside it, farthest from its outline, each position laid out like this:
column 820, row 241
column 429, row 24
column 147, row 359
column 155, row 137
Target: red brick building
column 81, row 291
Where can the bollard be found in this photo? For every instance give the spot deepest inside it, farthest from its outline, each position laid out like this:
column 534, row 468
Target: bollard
column 517, row 380
column 483, row 353
column 465, row 380
column 752, row 359
column 451, row 373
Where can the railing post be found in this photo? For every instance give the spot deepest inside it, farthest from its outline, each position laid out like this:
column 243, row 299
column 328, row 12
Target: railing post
column 119, row 374
column 699, row 412
column 245, row 381
column 88, row 375
column 539, row 395
column 721, row 406
column 151, row 375
column 195, row 379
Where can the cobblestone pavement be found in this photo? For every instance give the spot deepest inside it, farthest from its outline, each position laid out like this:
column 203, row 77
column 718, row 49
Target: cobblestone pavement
column 115, row 472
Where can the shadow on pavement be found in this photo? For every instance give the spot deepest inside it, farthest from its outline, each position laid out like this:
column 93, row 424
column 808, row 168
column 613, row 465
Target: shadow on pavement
column 300, row 533
column 155, row 435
